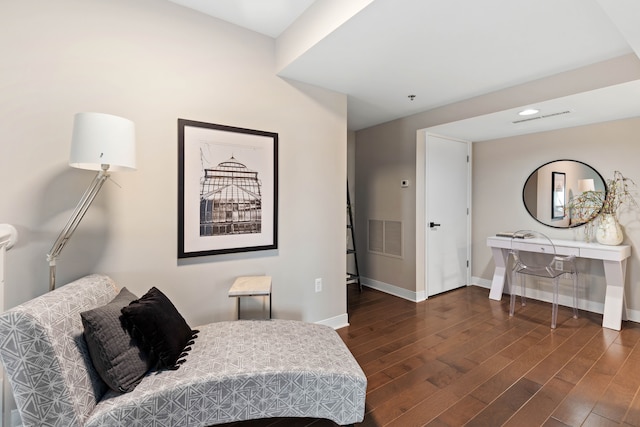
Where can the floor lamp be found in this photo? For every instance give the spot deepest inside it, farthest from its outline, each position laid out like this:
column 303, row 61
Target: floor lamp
column 103, row 143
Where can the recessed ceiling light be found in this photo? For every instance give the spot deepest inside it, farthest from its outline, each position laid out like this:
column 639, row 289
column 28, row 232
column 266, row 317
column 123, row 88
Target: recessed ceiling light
column 528, row 112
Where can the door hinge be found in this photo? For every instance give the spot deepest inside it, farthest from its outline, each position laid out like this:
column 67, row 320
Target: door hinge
column 467, row 263
column 467, row 158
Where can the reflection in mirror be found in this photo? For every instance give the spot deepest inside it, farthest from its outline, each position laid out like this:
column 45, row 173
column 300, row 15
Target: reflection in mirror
column 550, row 189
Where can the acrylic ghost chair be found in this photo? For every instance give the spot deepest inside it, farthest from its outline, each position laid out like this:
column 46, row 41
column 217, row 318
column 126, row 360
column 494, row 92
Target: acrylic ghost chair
column 544, row 263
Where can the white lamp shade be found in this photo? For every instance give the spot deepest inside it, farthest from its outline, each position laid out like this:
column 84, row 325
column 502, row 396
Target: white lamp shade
column 586, row 185
column 102, row 139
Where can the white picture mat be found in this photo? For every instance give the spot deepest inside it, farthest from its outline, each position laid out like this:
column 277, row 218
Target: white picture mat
column 206, row 148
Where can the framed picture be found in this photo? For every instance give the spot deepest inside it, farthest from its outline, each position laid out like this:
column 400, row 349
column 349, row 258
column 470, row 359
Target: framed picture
column 227, row 189
column 558, row 181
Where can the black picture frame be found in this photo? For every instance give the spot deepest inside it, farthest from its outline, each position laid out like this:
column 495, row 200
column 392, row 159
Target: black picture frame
column 558, row 194
column 227, row 189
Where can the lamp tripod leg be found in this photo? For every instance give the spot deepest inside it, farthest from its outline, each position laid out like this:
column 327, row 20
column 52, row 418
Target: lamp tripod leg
column 52, row 275
column 74, row 220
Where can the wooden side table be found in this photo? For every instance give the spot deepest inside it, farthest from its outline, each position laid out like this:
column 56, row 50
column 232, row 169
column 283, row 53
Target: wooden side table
column 250, row 286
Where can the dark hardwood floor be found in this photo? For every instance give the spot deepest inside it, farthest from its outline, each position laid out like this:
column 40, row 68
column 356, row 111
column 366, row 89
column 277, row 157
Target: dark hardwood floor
column 458, row 359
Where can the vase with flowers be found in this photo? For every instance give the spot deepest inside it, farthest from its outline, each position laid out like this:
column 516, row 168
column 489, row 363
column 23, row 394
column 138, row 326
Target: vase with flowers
column 598, row 210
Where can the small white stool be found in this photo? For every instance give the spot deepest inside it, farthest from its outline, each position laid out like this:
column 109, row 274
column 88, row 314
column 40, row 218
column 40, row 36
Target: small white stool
column 250, row 286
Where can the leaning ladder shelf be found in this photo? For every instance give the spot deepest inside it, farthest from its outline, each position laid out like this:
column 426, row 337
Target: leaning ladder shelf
column 352, row 277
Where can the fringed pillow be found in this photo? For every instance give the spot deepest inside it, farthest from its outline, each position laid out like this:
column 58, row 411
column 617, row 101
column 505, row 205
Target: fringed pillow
column 160, row 330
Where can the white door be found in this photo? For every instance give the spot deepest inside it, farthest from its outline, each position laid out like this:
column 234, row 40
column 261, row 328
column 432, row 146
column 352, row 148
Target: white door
column 447, row 214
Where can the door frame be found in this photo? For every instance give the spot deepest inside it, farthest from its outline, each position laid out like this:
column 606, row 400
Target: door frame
column 421, row 210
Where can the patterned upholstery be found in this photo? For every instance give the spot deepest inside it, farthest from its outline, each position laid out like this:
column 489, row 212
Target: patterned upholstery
column 235, row 370
column 243, row 370
column 45, row 355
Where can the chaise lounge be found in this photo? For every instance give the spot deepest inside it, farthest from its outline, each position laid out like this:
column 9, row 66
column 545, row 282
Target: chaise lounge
column 236, row 370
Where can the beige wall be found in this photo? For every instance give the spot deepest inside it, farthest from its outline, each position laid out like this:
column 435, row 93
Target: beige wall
column 502, row 166
column 387, row 153
column 154, row 62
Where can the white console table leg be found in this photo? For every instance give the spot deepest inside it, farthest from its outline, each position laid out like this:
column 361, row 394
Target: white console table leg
column 614, row 303
column 499, row 275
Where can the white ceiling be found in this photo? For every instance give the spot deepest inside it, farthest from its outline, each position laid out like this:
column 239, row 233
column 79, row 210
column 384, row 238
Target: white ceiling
column 268, row 17
column 444, row 51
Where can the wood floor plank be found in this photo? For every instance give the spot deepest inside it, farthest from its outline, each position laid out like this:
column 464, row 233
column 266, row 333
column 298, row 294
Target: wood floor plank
column 595, row 420
column 502, row 408
column 459, row 413
column 552, row 422
column 624, row 385
column 580, row 401
column 509, row 376
column 510, row 333
column 553, row 363
column 420, row 368
column 425, row 411
column 395, row 389
column 632, row 416
column 479, row 375
column 396, row 351
column 584, row 360
column 539, row 408
column 383, row 335
column 432, row 405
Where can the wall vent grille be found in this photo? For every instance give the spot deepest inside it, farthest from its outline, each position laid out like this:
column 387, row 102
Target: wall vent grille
column 385, row 237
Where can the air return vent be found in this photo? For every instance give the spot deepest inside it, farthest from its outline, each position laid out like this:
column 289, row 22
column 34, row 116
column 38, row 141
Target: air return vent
column 385, row 237
column 545, row 116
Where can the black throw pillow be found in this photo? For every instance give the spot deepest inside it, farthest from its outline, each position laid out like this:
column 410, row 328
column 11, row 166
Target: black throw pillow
column 161, row 331
column 114, row 353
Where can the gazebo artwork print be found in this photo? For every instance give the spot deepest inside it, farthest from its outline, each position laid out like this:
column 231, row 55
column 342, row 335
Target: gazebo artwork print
column 230, row 200
column 227, row 189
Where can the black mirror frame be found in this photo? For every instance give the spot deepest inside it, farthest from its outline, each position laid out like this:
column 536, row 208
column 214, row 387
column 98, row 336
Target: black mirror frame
column 553, row 161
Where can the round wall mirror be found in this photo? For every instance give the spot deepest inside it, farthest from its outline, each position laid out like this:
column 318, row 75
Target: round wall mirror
column 548, row 192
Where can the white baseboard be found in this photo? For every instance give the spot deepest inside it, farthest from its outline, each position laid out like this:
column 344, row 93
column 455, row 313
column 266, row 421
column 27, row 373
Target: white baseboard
column 534, row 293
column 336, row 322
column 393, row 290
column 565, row 300
column 483, row 283
column 633, row 315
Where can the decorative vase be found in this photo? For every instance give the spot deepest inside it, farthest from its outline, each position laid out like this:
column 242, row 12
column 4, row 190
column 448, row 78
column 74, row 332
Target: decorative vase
column 609, row 231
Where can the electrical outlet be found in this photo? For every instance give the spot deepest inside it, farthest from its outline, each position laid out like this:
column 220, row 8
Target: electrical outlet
column 559, row 265
column 318, row 285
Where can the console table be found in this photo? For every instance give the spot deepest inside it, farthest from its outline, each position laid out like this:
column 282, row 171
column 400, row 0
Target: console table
column 614, row 259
